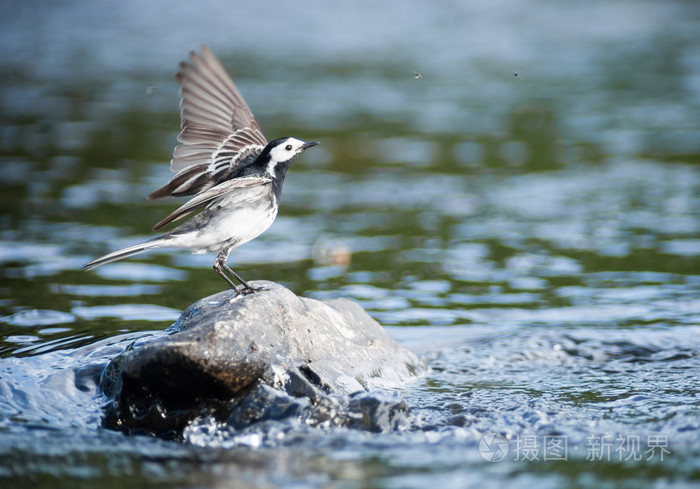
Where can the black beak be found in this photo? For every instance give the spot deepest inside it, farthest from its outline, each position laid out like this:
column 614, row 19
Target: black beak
column 310, row 144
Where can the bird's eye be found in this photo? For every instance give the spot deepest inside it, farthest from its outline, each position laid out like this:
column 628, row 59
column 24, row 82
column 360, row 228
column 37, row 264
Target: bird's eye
column 288, row 147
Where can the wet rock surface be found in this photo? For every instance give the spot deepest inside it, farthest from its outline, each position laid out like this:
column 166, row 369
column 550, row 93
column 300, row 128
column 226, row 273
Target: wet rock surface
column 264, row 356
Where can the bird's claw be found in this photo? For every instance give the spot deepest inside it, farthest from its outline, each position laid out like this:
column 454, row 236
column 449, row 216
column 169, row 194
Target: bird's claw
column 248, row 290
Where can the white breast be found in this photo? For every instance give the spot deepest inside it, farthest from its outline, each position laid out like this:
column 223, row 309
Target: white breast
column 234, row 220
column 247, row 223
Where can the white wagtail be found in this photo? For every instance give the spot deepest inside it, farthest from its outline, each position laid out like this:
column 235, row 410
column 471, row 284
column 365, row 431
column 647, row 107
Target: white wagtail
column 224, row 160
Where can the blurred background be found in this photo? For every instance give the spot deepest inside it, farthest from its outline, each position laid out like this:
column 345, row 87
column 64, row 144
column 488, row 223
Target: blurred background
column 511, row 187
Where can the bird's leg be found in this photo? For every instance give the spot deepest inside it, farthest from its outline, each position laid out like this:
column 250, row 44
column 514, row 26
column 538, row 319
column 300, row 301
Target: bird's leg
column 247, row 288
column 220, row 265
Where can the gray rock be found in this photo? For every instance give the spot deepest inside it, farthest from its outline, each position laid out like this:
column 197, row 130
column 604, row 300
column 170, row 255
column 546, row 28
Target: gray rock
column 233, row 357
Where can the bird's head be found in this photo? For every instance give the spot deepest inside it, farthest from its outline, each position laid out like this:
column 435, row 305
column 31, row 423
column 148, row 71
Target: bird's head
column 282, row 152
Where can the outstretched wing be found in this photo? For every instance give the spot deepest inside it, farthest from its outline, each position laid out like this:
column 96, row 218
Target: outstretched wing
column 219, row 133
column 208, row 196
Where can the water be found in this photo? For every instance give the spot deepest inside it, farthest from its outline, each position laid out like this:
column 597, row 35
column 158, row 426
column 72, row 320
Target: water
column 536, row 238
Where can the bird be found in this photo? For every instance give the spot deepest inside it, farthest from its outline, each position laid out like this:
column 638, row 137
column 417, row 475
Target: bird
column 224, row 162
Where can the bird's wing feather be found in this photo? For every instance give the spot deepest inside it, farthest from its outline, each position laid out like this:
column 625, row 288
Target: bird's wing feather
column 218, row 130
column 204, row 198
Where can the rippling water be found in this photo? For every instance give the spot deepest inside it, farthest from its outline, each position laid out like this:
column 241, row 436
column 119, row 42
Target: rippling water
column 535, row 237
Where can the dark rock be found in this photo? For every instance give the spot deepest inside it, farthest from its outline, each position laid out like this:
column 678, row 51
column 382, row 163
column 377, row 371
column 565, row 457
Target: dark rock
column 264, row 356
column 377, row 412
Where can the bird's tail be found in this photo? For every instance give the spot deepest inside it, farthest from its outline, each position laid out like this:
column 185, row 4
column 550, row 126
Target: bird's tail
column 126, row 252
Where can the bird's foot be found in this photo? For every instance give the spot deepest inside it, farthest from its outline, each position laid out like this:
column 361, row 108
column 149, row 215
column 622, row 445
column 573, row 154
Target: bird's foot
column 247, row 289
